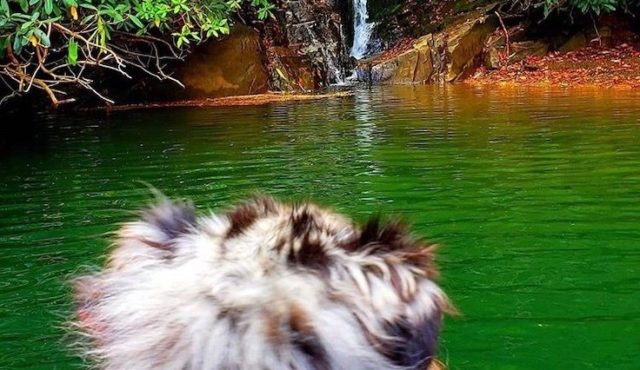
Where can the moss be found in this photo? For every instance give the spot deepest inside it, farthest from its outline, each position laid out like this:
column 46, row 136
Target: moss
column 380, row 10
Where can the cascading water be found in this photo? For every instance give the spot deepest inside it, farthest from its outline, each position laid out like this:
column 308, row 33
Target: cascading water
column 361, row 29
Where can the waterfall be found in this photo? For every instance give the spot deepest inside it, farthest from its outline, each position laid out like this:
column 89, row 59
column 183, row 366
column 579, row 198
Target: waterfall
column 361, row 29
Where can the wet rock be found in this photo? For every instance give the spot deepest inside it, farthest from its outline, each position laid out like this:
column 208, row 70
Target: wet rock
column 229, row 66
column 305, row 45
column 290, row 71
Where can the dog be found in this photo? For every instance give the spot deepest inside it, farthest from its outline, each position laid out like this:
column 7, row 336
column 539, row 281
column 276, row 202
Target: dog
column 264, row 285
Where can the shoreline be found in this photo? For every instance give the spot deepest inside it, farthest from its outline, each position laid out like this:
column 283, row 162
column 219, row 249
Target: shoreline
column 604, row 67
column 547, row 84
column 275, row 97
column 227, row 101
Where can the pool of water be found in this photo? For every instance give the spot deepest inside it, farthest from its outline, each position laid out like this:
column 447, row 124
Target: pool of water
column 533, row 194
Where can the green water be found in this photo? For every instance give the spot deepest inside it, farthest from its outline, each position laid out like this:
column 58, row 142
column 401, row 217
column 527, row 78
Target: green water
column 533, row 194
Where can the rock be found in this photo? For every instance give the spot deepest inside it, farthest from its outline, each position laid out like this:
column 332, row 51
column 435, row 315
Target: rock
column 305, row 45
column 300, row 48
column 575, row 42
column 491, row 58
column 230, row 66
column 605, row 34
column 409, row 67
column 465, row 43
column 290, row 71
column 521, row 50
column 445, row 56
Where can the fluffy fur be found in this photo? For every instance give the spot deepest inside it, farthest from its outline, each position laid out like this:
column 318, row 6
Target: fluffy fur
column 263, row 286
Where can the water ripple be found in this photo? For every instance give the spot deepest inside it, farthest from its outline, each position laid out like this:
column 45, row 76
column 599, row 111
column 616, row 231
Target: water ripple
column 532, row 193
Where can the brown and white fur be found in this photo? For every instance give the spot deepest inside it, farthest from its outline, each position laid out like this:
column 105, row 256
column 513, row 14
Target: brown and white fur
column 265, row 286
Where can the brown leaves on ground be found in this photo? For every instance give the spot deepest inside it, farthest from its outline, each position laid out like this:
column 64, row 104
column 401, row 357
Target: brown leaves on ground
column 398, row 48
column 593, row 65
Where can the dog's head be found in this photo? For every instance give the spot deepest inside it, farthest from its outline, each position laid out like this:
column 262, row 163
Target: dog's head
column 263, row 286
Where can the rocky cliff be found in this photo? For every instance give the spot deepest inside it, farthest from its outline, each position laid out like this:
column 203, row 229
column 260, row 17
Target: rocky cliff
column 306, row 44
column 302, row 47
column 436, row 57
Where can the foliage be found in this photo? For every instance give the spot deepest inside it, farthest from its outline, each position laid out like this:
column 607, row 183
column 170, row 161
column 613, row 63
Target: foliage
column 50, row 43
column 587, row 7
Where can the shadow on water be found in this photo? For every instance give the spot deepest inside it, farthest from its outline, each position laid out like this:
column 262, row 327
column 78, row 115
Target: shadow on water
column 533, row 194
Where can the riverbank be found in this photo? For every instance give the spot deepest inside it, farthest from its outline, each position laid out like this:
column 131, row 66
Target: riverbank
column 592, row 65
column 242, row 100
column 306, row 49
column 492, row 45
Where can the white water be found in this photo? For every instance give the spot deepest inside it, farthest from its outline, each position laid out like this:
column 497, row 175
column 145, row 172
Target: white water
column 361, row 29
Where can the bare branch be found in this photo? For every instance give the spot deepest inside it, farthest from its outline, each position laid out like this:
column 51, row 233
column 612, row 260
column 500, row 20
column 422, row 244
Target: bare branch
column 47, row 68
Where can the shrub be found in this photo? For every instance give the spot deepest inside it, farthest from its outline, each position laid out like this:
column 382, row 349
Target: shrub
column 50, row 44
column 587, row 7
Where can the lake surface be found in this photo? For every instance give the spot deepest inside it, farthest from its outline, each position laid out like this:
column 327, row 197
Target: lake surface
column 533, row 194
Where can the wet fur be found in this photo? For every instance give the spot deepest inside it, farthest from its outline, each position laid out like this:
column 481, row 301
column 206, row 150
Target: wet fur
column 263, row 286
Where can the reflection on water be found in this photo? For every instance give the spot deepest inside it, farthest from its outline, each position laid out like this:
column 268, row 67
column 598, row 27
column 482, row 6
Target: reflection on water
column 533, row 193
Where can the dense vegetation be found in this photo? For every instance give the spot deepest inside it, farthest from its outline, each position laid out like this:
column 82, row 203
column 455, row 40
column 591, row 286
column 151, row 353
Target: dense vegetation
column 584, row 6
column 51, row 44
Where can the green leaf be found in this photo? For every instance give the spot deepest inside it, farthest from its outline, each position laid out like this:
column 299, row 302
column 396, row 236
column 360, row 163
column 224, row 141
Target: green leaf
column 24, row 5
column 17, row 44
column 87, row 19
column 25, row 26
column 136, row 21
column 72, row 52
column 103, row 33
column 4, row 5
column 44, row 39
column 48, row 6
column 4, row 44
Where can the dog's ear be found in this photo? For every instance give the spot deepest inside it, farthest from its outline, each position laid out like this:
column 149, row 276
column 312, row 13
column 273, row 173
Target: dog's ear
column 170, row 219
column 413, row 344
column 153, row 236
column 409, row 338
